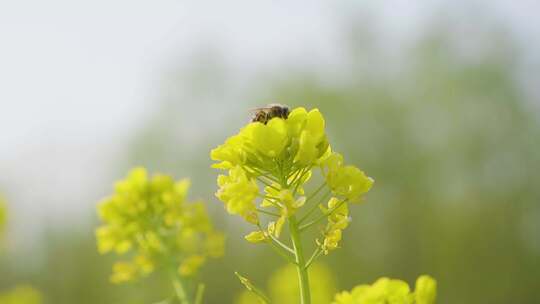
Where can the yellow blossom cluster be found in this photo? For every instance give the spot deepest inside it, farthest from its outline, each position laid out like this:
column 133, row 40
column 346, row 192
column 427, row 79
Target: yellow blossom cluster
column 337, row 221
column 149, row 219
column 279, row 157
column 390, row 291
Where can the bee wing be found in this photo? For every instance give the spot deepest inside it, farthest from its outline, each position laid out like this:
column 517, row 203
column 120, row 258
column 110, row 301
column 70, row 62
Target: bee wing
column 256, row 111
column 279, row 105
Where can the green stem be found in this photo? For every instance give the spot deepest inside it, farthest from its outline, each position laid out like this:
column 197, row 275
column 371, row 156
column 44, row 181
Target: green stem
column 200, row 294
column 303, row 278
column 180, row 290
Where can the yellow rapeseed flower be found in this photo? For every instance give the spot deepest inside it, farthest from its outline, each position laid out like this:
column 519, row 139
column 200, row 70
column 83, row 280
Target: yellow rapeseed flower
column 256, row 237
column 295, row 143
column 425, row 290
column 238, row 192
column 345, row 181
column 280, row 156
column 390, row 291
column 338, row 219
column 150, row 219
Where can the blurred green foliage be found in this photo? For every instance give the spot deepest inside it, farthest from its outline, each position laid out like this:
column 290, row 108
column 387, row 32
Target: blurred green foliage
column 282, row 286
column 3, row 216
column 450, row 139
column 20, row 295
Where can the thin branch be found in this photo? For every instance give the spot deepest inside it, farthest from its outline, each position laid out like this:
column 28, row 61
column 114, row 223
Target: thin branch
column 314, row 207
column 281, row 244
column 274, row 201
column 312, row 195
column 270, row 198
column 324, row 215
column 267, row 175
column 252, row 288
column 295, row 173
column 308, row 170
column 317, row 253
column 280, row 251
column 268, row 212
column 279, row 247
column 298, row 180
column 266, row 183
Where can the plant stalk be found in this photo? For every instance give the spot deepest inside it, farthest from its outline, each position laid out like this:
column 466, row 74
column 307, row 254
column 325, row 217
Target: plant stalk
column 179, row 290
column 200, row 294
column 303, row 278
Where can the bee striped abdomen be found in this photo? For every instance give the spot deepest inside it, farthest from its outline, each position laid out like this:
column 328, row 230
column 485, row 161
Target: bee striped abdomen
column 265, row 114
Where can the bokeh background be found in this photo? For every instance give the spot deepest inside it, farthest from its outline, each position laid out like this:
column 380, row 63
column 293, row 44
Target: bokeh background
column 438, row 101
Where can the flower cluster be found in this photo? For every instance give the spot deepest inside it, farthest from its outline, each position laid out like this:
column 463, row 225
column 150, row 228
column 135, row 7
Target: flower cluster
column 21, row 295
column 389, row 291
column 337, row 221
column 150, row 219
column 280, row 156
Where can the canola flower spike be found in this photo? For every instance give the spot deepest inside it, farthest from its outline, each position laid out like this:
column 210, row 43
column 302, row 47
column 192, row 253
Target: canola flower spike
column 298, row 140
column 279, row 158
column 391, row 291
column 150, row 218
column 21, row 295
column 281, row 155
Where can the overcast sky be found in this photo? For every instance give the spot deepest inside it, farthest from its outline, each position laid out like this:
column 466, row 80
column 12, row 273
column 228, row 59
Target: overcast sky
column 78, row 75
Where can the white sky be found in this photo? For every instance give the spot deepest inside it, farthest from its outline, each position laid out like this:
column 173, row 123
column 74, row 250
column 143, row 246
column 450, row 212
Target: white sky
column 77, row 76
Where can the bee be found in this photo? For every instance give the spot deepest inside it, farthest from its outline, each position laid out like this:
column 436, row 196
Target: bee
column 264, row 114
